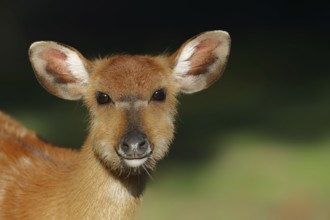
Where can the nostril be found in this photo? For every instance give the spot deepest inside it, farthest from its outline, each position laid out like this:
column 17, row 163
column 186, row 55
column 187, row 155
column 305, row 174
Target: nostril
column 142, row 144
column 125, row 147
column 142, row 148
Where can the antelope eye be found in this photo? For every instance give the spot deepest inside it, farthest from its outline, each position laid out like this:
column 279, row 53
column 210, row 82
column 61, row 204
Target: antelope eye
column 159, row 95
column 102, row 98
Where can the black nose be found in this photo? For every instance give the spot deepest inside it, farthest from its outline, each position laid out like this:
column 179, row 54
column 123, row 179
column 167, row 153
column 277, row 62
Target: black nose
column 134, row 145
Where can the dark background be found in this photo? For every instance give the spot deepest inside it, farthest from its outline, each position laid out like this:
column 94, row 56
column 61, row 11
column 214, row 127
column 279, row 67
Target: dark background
column 256, row 145
column 277, row 79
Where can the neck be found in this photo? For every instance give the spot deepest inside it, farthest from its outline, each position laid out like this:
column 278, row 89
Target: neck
column 104, row 191
column 88, row 190
column 132, row 183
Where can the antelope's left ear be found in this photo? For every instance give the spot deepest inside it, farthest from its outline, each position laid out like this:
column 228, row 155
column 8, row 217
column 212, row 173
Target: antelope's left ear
column 201, row 61
column 60, row 69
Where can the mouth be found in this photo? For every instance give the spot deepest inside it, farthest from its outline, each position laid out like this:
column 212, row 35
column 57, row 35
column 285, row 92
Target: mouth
column 134, row 162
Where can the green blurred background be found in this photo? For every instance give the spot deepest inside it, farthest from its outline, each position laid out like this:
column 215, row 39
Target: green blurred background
column 256, row 145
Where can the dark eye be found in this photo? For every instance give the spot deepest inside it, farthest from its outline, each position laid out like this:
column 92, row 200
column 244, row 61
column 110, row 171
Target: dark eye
column 102, row 98
column 159, row 95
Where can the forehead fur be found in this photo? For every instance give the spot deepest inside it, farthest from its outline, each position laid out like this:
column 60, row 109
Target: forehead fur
column 125, row 75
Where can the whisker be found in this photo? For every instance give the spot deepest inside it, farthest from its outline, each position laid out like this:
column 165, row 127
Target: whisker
column 145, row 169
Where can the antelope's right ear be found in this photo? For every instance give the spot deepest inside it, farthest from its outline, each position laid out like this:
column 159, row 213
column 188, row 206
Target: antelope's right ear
column 201, row 61
column 60, row 69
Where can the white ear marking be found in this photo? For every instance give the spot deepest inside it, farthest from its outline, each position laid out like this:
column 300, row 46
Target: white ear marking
column 76, row 67
column 60, row 69
column 201, row 61
column 183, row 63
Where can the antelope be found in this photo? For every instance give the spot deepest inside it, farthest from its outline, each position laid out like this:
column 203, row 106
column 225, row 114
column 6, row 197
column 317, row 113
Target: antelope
column 131, row 101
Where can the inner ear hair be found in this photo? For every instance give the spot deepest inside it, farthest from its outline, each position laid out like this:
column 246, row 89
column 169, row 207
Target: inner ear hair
column 201, row 60
column 60, row 69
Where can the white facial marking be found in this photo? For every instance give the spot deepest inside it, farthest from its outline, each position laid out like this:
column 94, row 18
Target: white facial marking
column 123, row 105
column 169, row 118
column 103, row 145
column 140, row 104
column 135, row 162
column 136, row 104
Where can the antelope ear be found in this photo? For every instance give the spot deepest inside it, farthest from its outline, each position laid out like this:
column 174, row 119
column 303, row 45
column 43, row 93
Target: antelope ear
column 60, row 69
column 201, row 61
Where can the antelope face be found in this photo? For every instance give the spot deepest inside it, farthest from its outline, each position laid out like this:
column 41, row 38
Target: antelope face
column 131, row 99
column 132, row 104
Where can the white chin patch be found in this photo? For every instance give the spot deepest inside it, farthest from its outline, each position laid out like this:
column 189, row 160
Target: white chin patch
column 135, row 162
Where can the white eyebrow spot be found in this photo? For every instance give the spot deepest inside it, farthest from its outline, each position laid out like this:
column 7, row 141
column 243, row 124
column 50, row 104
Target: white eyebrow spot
column 140, row 104
column 124, row 105
column 136, row 104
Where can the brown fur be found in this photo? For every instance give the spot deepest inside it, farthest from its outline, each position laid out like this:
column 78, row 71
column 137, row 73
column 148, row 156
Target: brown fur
column 142, row 75
column 56, row 174
column 41, row 181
